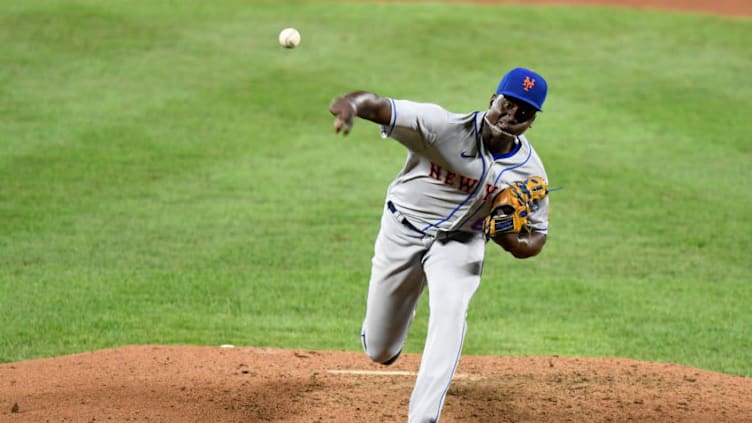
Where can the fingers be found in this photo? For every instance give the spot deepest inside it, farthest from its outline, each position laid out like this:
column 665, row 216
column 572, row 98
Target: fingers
column 341, row 125
column 344, row 111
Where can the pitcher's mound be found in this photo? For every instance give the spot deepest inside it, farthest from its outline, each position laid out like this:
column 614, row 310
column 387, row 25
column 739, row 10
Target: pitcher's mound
column 215, row 384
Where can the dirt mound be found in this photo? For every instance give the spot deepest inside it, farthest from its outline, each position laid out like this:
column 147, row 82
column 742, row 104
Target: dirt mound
column 213, row 384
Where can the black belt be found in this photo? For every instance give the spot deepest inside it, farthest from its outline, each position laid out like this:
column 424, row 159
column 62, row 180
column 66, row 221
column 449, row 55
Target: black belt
column 400, row 217
column 460, row 236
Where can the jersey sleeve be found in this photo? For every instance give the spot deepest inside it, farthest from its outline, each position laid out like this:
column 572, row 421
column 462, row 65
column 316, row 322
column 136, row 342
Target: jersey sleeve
column 415, row 125
column 538, row 218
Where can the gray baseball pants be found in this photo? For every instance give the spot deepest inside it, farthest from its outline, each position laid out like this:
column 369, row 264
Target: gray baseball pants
column 405, row 261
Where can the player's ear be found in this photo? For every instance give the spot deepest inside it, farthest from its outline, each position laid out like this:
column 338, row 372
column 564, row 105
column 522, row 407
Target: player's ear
column 530, row 121
column 493, row 97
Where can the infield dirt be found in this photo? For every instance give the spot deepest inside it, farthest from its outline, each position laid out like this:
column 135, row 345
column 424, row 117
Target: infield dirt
column 214, row 384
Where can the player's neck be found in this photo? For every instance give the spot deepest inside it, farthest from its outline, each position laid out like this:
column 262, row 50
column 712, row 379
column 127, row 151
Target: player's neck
column 499, row 145
column 495, row 140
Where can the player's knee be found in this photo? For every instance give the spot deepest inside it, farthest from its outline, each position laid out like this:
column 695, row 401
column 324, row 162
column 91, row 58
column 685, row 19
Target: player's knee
column 375, row 354
column 379, row 354
column 393, row 359
column 384, row 357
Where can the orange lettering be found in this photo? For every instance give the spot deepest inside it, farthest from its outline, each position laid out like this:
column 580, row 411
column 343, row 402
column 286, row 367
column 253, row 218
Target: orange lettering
column 449, row 180
column 467, row 184
column 528, row 83
column 435, row 171
column 490, row 189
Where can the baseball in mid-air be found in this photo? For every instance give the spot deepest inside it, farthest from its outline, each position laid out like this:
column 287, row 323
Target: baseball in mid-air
column 289, row 38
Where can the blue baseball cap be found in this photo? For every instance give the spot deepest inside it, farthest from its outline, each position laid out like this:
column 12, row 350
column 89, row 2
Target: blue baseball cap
column 524, row 85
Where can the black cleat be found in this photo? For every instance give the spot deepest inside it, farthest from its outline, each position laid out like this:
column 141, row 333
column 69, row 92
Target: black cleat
column 393, row 359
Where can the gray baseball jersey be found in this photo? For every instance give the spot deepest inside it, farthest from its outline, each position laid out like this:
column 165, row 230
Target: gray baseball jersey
column 431, row 235
column 450, row 177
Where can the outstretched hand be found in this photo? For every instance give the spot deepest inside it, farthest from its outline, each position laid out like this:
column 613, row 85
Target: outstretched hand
column 344, row 111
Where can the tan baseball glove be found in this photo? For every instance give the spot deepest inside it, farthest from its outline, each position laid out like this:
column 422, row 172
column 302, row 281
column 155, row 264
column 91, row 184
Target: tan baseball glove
column 513, row 205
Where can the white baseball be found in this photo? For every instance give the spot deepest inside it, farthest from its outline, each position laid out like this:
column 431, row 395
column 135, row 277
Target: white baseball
column 289, row 38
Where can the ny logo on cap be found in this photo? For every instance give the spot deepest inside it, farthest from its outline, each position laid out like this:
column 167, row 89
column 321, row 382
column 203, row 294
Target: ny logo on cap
column 528, row 83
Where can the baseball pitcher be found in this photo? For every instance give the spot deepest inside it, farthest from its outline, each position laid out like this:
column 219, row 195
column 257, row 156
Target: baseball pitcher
column 468, row 178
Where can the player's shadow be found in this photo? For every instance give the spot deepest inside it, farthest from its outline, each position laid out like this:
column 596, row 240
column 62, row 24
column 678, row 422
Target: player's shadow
column 279, row 400
column 480, row 401
column 301, row 399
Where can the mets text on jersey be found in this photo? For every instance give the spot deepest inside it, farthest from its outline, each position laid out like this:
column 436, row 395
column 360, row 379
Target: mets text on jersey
column 459, row 181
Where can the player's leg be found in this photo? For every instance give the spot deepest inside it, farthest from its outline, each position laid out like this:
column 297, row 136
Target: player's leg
column 453, row 270
column 397, row 280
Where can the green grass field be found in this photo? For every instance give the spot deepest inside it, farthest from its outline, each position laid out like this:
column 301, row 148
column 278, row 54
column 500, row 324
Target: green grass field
column 169, row 175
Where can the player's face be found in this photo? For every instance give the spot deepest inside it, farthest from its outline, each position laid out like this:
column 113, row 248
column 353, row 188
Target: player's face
column 508, row 117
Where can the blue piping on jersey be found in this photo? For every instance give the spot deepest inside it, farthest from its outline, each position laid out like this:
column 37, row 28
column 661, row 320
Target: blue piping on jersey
column 394, row 117
column 454, row 369
column 477, row 186
column 496, row 181
column 529, row 154
column 514, row 151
